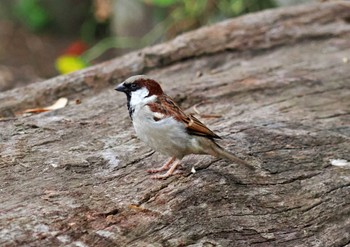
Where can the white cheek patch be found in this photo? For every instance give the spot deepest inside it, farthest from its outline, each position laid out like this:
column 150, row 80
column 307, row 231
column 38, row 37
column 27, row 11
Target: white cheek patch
column 139, row 96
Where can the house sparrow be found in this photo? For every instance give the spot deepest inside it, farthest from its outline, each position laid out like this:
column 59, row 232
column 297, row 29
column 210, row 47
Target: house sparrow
column 164, row 126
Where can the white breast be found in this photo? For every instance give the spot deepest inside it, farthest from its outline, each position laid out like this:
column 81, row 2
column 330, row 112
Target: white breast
column 166, row 136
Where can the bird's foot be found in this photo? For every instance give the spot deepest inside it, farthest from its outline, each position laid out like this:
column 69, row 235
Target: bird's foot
column 165, row 167
column 169, row 173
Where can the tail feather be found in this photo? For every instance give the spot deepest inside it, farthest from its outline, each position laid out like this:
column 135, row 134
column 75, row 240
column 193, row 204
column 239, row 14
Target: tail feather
column 219, row 152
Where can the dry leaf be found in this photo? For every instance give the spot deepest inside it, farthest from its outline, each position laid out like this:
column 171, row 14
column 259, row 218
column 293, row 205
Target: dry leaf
column 60, row 103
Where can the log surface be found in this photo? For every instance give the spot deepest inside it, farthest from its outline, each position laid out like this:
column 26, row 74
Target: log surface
column 279, row 84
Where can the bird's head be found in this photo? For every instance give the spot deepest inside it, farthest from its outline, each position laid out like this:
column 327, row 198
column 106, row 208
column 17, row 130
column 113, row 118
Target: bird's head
column 140, row 85
column 139, row 89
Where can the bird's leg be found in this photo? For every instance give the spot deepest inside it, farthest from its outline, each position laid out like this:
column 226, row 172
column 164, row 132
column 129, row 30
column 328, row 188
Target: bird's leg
column 169, row 172
column 164, row 167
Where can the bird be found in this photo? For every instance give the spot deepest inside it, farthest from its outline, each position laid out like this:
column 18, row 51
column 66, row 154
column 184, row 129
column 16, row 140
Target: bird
column 161, row 124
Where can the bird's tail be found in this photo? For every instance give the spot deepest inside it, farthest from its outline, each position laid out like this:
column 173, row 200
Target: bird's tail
column 220, row 152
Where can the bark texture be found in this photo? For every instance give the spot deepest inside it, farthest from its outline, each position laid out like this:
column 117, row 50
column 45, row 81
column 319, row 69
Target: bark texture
column 279, row 82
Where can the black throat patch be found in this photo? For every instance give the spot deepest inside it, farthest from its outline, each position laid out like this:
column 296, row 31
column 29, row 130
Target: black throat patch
column 130, row 109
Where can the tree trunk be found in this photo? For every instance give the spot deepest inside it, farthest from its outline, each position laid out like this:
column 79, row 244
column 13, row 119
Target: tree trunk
column 277, row 83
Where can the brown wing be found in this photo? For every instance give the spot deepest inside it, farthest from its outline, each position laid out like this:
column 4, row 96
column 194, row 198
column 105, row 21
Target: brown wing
column 196, row 127
column 166, row 107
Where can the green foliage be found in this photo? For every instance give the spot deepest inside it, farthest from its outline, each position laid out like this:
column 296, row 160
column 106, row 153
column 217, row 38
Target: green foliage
column 162, row 3
column 231, row 8
column 32, row 14
column 184, row 15
column 177, row 16
column 172, row 17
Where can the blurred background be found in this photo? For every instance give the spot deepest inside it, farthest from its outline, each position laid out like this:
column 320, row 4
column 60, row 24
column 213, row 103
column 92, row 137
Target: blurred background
column 40, row 39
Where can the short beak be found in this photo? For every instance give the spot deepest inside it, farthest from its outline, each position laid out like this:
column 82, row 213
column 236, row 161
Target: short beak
column 121, row 87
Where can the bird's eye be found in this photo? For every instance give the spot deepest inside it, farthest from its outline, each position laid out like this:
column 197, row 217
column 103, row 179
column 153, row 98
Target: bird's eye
column 133, row 86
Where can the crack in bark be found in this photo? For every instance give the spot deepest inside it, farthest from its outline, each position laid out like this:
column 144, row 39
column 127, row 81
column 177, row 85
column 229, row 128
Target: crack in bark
column 152, row 193
column 333, row 115
column 337, row 188
column 312, row 206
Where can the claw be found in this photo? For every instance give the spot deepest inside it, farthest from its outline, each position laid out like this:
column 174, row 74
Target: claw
column 164, row 167
column 169, row 173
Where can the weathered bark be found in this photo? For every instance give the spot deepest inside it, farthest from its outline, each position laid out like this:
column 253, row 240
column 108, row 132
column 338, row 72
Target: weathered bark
column 280, row 81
